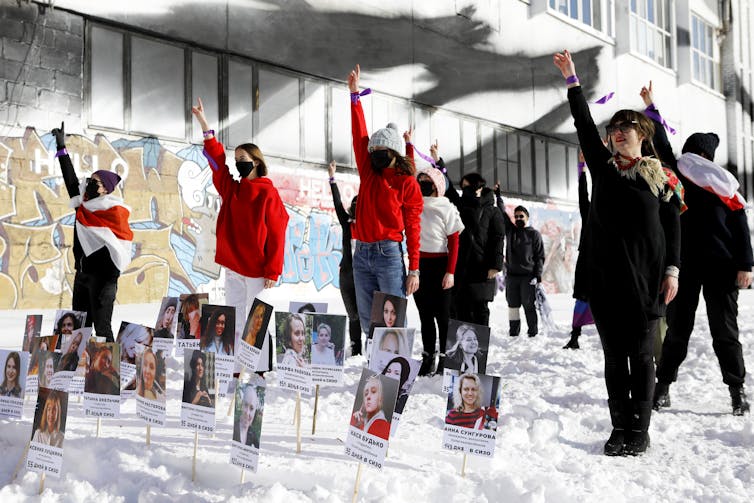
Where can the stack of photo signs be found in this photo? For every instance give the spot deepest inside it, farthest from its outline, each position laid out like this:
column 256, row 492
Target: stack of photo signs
column 387, row 311
column 253, row 342
column 131, row 337
column 247, row 422
column 39, row 346
column 199, row 386
column 373, row 407
column 16, row 364
column 466, row 351
column 401, row 368
column 472, row 414
column 166, row 326
column 219, row 336
column 150, row 386
column 102, row 381
column 72, row 364
column 293, row 348
column 189, row 330
column 48, row 432
column 328, row 348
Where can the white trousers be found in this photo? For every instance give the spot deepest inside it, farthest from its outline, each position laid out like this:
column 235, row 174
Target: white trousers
column 240, row 292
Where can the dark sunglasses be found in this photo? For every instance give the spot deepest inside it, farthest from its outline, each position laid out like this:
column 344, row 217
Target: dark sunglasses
column 623, row 127
column 519, row 217
column 99, row 182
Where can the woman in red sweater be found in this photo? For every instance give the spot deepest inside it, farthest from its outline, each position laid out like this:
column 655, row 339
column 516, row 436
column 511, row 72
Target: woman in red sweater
column 251, row 224
column 390, row 203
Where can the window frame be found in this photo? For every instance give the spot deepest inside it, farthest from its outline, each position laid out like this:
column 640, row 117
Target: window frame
column 714, row 79
column 663, row 12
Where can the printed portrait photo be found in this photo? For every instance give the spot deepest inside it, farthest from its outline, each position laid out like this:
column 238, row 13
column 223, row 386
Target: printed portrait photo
column 249, row 409
column 294, row 340
column 167, row 319
column 189, row 315
column 307, row 307
column 256, row 323
column 374, row 403
column 401, row 368
column 467, row 347
column 473, row 401
column 48, row 365
column 218, row 329
column 33, row 329
column 46, row 343
column 199, row 378
column 130, row 337
column 103, row 368
column 50, row 417
column 73, row 347
column 66, row 321
column 397, row 341
column 14, row 372
column 387, row 311
column 328, row 339
column 150, row 375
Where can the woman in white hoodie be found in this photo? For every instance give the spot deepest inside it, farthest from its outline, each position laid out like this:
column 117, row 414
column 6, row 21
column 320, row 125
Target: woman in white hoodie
column 440, row 226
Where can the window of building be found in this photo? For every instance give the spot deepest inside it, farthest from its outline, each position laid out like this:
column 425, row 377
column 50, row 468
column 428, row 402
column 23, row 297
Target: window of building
column 106, row 92
column 239, row 123
column 279, row 120
column 595, row 13
column 651, row 30
column 705, row 65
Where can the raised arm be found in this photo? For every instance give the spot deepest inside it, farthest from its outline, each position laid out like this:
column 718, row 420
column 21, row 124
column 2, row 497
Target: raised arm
column 450, row 192
column 66, row 166
column 358, row 123
column 340, row 211
column 507, row 222
column 214, row 151
column 660, row 139
column 595, row 152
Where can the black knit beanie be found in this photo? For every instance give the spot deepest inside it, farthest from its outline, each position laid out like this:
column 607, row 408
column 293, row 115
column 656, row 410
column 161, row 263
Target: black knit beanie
column 703, row 144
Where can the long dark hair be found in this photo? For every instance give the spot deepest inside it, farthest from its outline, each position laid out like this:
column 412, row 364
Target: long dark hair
column 405, row 369
column 257, row 155
column 16, row 358
column 195, row 357
column 228, row 337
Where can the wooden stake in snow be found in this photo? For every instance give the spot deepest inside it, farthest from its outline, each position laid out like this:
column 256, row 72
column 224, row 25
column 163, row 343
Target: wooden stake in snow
column 243, row 473
column 463, row 466
column 193, row 463
column 298, row 422
column 41, row 483
column 149, row 434
column 356, row 485
column 99, row 425
column 20, row 462
column 316, row 402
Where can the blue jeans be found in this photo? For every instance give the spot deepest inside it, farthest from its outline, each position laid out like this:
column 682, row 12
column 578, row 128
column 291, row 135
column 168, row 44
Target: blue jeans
column 378, row 267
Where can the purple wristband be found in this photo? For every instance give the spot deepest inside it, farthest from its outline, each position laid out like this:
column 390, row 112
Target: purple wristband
column 60, row 152
column 355, row 95
column 573, row 79
column 209, row 132
column 581, row 167
column 332, row 179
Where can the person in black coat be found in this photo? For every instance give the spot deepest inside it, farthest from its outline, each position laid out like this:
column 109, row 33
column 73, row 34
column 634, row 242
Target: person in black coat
column 480, row 250
column 631, row 252
column 524, row 262
column 347, row 288
column 717, row 259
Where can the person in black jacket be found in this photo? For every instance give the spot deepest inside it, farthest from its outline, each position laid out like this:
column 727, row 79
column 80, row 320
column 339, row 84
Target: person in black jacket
column 101, row 240
column 717, row 260
column 347, row 288
column 631, row 252
column 524, row 261
column 480, row 250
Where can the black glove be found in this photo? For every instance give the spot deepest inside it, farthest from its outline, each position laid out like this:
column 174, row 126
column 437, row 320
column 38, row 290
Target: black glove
column 59, row 134
column 497, row 190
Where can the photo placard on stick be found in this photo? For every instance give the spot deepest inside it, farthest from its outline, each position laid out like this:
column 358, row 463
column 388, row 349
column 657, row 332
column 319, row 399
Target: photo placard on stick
column 328, row 348
column 468, row 345
column 199, row 385
column 150, row 386
column 189, row 330
column 66, row 321
column 247, row 422
column 472, row 414
column 373, row 406
column 219, row 337
column 13, row 387
column 103, row 380
column 33, row 330
column 48, row 432
column 293, row 349
column 404, row 370
column 387, row 311
column 295, row 306
column 398, row 341
column 39, row 345
column 166, row 326
column 249, row 346
column 71, row 366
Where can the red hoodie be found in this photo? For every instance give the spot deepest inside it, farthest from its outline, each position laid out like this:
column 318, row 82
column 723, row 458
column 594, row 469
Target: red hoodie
column 252, row 221
column 389, row 203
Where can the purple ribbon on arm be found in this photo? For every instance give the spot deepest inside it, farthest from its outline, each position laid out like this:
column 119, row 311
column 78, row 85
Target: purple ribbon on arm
column 653, row 114
column 355, row 96
column 605, row 98
column 425, row 157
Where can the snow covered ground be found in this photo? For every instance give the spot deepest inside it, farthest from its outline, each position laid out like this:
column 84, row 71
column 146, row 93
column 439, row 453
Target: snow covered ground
column 549, row 448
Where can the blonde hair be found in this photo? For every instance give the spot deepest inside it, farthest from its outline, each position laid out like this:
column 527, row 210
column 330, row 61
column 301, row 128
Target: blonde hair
column 376, row 379
column 53, row 397
column 458, row 397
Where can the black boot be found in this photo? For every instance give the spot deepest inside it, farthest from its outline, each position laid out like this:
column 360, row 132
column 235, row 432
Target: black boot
column 440, row 364
column 355, row 348
column 515, row 328
column 661, row 397
column 637, row 440
column 619, row 418
column 574, row 342
column 738, row 400
column 428, row 364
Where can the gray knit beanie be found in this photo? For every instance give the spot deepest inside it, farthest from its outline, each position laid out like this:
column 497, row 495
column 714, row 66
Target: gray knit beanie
column 388, row 137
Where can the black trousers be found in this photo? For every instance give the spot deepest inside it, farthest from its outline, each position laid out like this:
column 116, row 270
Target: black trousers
column 433, row 302
column 629, row 362
column 348, row 292
column 721, row 296
column 96, row 297
column 519, row 292
column 466, row 306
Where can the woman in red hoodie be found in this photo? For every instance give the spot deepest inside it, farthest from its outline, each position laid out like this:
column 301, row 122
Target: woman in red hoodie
column 251, row 224
column 390, row 202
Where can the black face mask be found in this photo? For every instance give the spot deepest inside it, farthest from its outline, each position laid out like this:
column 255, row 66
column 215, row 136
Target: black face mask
column 92, row 189
column 520, row 224
column 244, row 168
column 427, row 187
column 380, row 159
column 468, row 191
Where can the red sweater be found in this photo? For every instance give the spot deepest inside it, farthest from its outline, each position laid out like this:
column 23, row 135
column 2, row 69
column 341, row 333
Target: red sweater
column 389, row 203
column 252, row 221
